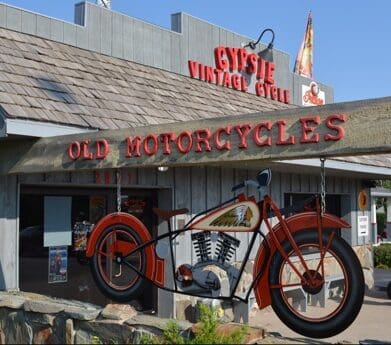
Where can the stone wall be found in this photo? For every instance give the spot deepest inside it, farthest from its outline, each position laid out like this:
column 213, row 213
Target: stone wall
column 27, row 318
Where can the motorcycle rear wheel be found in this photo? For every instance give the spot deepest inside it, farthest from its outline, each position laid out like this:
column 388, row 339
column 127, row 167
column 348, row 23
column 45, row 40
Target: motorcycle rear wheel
column 111, row 271
column 339, row 290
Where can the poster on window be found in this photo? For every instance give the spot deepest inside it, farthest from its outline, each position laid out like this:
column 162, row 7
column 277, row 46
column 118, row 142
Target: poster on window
column 58, row 264
column 80, row 235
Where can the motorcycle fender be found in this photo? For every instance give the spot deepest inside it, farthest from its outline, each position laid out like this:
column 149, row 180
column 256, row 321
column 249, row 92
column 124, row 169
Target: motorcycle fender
column 135, row 224
column 298, row 222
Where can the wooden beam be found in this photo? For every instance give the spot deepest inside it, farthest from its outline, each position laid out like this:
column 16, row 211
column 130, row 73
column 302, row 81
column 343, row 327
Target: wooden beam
column 339, row 129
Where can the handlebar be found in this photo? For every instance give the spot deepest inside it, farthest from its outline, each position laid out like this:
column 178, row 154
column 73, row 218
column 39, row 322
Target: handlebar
column 244, row 184
column 238, row 186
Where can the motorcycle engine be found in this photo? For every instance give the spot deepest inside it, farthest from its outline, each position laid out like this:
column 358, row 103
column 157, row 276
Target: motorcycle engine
column 211, row 276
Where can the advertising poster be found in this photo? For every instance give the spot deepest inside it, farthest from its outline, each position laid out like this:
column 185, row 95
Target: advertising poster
column 80, row 235
column 58, row 264
column 312, row 95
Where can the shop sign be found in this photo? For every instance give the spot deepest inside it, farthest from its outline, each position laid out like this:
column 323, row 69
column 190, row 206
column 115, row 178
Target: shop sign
column 234, row 67
column 312, row 95
column 241, row 136
column 363, row 226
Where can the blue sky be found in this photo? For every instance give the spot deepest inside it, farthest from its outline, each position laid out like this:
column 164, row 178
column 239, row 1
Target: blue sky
column 352, row 50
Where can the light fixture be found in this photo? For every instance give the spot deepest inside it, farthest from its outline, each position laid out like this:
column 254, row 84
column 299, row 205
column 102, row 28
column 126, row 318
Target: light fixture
column 267, row 53
column 162, row 168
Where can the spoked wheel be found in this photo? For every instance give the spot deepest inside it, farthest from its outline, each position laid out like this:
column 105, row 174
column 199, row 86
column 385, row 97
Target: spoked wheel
column 324, row 299
column 111, row 265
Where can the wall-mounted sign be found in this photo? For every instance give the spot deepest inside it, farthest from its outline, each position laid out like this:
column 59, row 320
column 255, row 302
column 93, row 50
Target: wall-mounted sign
column 312, row 95
column 234, row 68
column 362, row 200
column 362, row 226
column 245, row 136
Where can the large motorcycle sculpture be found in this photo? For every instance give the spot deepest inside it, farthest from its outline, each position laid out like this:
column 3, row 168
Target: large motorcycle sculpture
column 303, row 268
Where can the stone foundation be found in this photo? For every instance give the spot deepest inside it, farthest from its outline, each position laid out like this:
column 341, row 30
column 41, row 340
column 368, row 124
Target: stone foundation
column 27, row 318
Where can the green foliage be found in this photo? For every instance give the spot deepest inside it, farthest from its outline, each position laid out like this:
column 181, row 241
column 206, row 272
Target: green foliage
column 382, row 255
column 381, row 221
column 206, row 333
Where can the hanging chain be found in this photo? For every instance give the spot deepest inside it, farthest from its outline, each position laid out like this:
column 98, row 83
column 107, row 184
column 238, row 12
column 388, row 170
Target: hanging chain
column 118, row 173
column 322, row 186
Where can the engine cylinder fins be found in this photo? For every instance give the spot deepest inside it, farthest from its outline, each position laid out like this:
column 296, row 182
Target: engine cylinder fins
column 202, row 245
column 225, row 247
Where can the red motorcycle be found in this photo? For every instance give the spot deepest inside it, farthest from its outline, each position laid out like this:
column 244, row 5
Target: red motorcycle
column 303, row 268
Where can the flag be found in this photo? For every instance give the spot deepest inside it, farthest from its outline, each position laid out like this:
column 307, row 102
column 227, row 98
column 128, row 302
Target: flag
column 303, row 65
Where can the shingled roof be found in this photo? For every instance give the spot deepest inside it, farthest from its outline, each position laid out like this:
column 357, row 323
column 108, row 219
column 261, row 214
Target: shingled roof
column 43, row 80
column 46, row 81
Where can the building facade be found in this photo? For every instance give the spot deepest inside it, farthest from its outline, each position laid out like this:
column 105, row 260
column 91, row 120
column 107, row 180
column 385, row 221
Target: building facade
column 111, row 71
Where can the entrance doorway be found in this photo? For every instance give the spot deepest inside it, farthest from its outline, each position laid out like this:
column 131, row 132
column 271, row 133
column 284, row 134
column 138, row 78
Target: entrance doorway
column 80, row 207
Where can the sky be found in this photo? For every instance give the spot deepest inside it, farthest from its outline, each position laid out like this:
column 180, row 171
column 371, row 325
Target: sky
column 352, row 50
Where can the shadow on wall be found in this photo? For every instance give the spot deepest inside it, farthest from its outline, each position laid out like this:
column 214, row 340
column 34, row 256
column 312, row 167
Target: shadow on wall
column 2, row 281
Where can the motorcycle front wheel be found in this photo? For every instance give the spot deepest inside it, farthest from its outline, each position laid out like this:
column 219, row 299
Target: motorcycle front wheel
column 324, row 300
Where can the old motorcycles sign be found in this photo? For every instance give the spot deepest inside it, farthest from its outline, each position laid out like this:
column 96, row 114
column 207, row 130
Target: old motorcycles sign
column 234, row 67
column 202, row 141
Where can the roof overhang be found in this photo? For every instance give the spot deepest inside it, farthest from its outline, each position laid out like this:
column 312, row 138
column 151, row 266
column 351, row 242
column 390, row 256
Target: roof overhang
column 37, row 129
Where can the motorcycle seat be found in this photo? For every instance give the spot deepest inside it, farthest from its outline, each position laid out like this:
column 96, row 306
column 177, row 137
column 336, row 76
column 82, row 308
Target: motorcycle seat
column 167, row 214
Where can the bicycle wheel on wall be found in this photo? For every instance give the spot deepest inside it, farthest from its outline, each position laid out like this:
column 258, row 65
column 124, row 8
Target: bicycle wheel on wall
column 111, row 264
column 331, row 302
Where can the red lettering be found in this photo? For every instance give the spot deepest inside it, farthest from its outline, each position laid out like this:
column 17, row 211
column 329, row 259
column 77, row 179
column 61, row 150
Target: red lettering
column 286, row 96
column 242, row 59
column 193, row 68
column 179, row 142
column 270, row 67
column 147, row 149
column 218, row 75
column 340, row 130
column 232, row 54
column 166, row 138
column 259, row 89
column 74, row 150
column 226, row 79
column 202, row 137
column 236, row 81
column 217, row 139
column 257, row 134
column 209, row 74
column 97, row 177
column 201, row 72
column 220, row 62
column 260, row 69
column 107, row 177
column 280, row 95
column 307, row 129
column 266, row 88
column 281, row 134
column 133, row 146
column 84, row 150
column 273, row 92
column 251, row 63
column 243, row 83
column 102, row 149
column 243, row 131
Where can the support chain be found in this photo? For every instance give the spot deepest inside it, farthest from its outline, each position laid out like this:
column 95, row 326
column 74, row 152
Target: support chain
column 322, row 186
column 118, row 174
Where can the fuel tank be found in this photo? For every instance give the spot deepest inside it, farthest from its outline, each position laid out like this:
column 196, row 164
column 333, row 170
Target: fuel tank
column 243, row 216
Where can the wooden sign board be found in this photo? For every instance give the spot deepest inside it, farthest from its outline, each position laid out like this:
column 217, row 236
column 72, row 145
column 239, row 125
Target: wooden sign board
column 353, row 128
